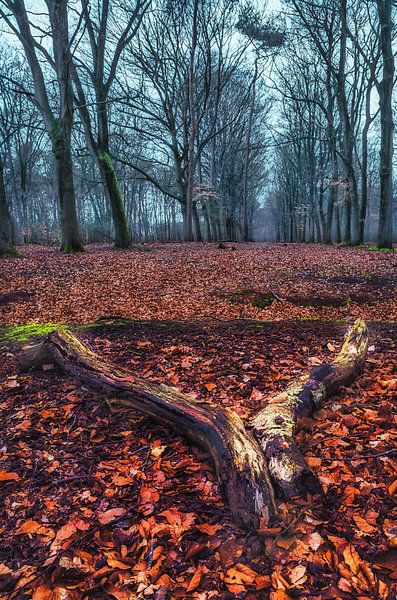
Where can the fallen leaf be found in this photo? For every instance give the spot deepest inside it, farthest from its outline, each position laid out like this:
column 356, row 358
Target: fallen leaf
column 66, row 531
column 6, row 476
column 195, row 580
column 210, row 386
column 111, row 515
column 207, row 528
column 363, row 525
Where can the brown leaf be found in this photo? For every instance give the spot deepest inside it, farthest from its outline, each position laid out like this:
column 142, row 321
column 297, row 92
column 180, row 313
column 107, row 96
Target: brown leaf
column 210, row 386
column 363, row 525
column 209, row 529
column 66, row 531
column 195, row 580
column 111, row 515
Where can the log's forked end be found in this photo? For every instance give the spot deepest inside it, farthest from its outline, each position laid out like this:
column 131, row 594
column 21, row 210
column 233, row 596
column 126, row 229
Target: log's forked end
column 294, row 476
column 355, row 346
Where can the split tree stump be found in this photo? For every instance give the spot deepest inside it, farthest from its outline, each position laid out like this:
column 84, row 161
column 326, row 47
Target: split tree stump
column 242, row 458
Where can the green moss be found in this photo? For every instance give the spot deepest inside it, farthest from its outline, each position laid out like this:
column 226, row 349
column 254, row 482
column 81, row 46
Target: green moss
column 368, row 275
column 263, row 300
column 376, row 249
column 310, row 319
column 72, row 248
column 123, row 237
column 22, row 333
column 10, row 253
column 256, row 299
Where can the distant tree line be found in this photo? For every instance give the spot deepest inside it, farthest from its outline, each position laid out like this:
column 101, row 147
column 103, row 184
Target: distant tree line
column 333, row 175
column 196, row 120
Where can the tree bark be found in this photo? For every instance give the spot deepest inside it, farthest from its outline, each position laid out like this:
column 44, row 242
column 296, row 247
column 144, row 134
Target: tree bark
column 6, row 230
column 239, row 461
column 351, row 189
column 246, row 236
column 191, row 166
column 385, row 229
column 112, row 187
column 61, row 146
column 61, row 130
column 274, row 425
column 58, row 127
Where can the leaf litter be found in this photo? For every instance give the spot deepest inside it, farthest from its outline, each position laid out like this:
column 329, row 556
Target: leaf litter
column 95, row 505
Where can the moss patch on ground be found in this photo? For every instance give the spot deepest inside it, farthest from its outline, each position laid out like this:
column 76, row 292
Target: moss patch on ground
column 22, row 333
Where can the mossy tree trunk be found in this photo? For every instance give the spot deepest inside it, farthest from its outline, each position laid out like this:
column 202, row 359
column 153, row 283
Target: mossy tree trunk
column 58, row 124
column 112, row 187
column 385, row 90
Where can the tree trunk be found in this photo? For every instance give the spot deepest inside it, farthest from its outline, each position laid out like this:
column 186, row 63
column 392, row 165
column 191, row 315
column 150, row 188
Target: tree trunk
column 385, row 229
column 248, row 155
column 364, row 160
column 197, row 227
column 351, row 190
column 239, row 461
column 274, row 425
column 70, row 234
column 364, row 184
column 188, row 234
column 121, row 229
column 6, row 230
column 208, row 235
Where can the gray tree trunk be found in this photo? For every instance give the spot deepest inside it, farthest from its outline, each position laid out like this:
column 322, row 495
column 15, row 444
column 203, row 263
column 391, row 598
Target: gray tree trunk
column 385, row 229
column 6, row 231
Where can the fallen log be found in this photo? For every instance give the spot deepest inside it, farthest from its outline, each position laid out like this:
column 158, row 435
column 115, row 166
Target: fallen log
column 240, row 465
column 274, row 425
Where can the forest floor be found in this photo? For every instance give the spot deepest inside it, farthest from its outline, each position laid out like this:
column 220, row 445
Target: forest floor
column 199, row 281
column 97, row 506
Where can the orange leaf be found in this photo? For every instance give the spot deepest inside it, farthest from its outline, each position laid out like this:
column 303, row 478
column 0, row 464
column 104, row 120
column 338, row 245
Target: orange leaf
column 28, row 527
column 209, row 529
column 195, row 580
column 111, row 515
column 392, row 489
column 66, row 531
column 269, row 531
column 280, row 595
column 262, row 582
column 4, row 570
column 352, row 558
column 5, row 476
column 43, row 592
column 210, row 386
column 363, row 525
column 120, row 480
column 149, row 495
column 237, row 576
column 45, row 414
column 118, row 564
column 173, row 516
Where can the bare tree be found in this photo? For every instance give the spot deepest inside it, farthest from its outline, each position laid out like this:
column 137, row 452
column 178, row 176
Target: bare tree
column 97, row 75
column 58, row 124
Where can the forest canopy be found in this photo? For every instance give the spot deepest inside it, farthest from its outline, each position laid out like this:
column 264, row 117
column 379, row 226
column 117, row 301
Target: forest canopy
column 198, row 120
